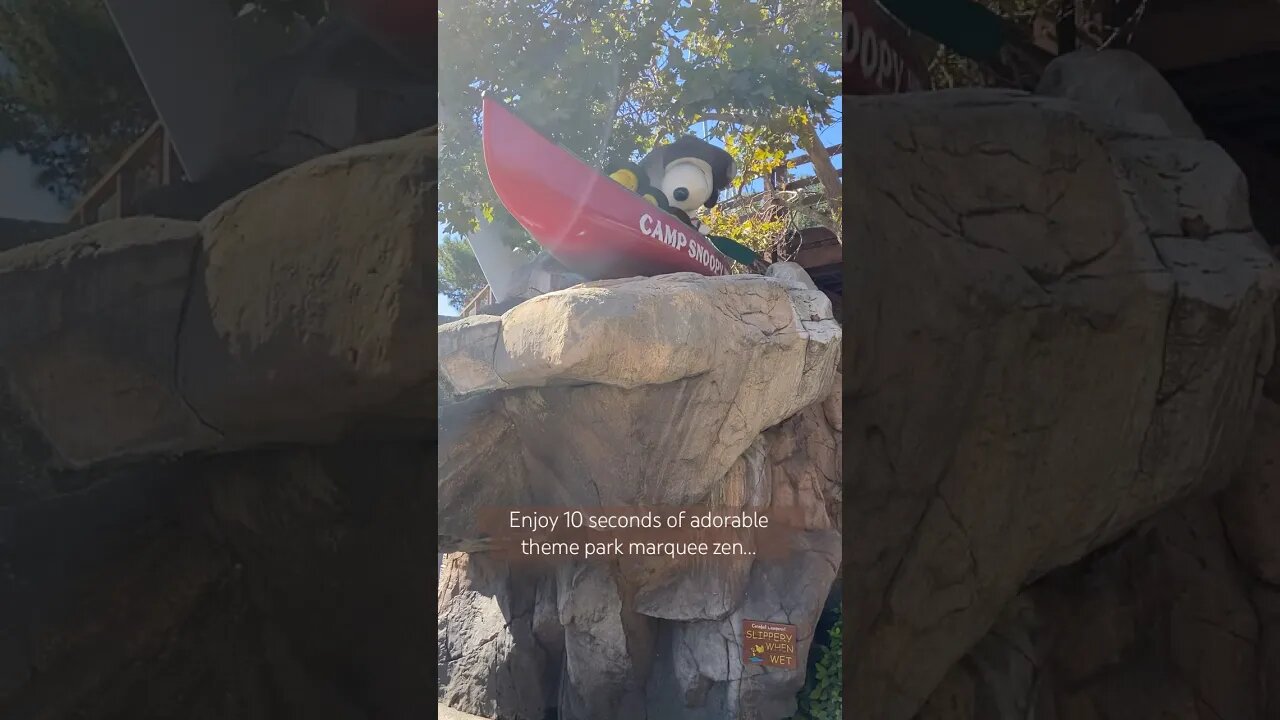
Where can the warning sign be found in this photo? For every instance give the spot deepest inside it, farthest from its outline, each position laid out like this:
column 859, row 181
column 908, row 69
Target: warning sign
column 768, row 644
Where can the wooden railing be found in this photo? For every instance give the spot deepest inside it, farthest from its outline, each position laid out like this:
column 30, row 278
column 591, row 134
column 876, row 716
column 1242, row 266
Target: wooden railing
column 149, row 162
column 780, row 178
column 482, row 298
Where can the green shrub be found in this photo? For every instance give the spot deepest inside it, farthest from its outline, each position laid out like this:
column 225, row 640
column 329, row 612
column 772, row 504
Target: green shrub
column 823, row 696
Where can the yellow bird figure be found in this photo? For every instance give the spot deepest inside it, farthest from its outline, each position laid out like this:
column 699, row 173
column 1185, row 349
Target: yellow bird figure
column 628, row 175
column 632, row 177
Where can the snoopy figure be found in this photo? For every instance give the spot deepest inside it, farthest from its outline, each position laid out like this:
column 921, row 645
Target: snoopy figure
column 691, row 173
column 681, row 178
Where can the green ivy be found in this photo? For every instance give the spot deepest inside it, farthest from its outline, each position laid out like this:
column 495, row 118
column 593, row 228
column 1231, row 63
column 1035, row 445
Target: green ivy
column 823, row 696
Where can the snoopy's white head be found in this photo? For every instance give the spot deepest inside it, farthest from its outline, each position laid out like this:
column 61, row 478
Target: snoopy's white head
column 688, row 183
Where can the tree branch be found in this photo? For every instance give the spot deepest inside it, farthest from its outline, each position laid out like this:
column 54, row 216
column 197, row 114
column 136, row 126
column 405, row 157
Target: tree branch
column 826, row 171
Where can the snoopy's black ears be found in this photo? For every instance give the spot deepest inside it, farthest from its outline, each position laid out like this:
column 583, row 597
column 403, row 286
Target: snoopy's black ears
column 711, row 201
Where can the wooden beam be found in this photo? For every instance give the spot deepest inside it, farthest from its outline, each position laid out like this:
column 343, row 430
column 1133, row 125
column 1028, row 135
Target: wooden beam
column 800, row 184
column 1228, row 79
column 1205, row 34
column 799, row 160
column 817, row 256
column 166, row 159
column 1066, row 28
column 810, row 181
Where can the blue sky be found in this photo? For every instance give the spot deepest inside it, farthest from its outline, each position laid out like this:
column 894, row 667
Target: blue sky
column 829, row 135
column 20, row 197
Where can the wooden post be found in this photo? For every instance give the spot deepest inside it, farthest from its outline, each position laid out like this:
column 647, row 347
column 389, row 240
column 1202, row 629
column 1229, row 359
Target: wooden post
column 1067, row 27
column 124, row 193
column 166, row 158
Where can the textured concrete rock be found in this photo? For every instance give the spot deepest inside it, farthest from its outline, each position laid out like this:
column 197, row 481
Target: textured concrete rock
column 670, row 391
column 443, row 712
column 1266, row 600
column 1271, row 384
column 297, row 313
column 466, row 352
column 647, row 391
column 792, row 273
column 495, row 653
column 141, row 585
column 1164, row 625
column 312, row 299
column 1263, row 170
column 1113, row 86
column 699, row 673
column 91, row 357
column 1251, row 506
column 1062, row 330
column 188, row 589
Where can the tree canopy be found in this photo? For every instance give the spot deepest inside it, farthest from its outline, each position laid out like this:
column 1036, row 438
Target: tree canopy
column 607, row 79
column 71, row 100
column 459, row 264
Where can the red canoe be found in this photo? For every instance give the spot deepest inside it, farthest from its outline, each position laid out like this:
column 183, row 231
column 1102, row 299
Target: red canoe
column 589, row 223
column 406, row 27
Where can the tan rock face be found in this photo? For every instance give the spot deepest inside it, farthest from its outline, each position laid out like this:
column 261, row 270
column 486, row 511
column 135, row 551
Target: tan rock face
column 1251, row 505
column 313, row 298
column 1118, row 86
column 671, row 391
column 298, row 310
column 1062, row 329
column 191, row 587
column 91, row 356
column 136, row 584
column 1271, row 386
column 1164, row 624
column 644, row 391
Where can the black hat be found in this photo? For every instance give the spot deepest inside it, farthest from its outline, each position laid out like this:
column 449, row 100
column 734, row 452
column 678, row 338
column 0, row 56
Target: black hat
column 660, row 157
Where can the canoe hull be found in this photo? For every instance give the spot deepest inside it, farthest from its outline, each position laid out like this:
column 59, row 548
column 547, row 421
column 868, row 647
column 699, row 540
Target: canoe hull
column 586, row 221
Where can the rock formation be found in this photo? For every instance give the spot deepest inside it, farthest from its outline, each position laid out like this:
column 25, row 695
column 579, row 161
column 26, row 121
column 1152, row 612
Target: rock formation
column 1179, row 619
column 660, row 392
column 215, row 454
column 146, row 336
column 21, row 232
column 1064, row 318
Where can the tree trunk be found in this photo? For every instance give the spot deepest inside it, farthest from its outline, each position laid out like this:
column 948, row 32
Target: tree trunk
column 827, row 175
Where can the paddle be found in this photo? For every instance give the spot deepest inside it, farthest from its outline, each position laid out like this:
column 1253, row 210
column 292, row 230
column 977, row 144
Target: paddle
column 966, row 27
column 734, row 250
